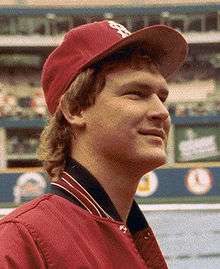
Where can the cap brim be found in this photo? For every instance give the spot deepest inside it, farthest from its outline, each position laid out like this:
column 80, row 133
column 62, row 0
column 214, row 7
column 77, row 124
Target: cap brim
column 165, row 46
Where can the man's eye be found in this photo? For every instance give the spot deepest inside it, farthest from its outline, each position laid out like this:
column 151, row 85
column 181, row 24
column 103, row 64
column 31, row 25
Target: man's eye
column 163, row 99
column 136, row 94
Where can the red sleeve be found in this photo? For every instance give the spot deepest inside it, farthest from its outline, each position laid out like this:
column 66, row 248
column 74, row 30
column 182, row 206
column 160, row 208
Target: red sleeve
column 18, row 250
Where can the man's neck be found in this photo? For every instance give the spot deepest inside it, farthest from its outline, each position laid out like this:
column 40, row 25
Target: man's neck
column 119, row 184
column 121, row 196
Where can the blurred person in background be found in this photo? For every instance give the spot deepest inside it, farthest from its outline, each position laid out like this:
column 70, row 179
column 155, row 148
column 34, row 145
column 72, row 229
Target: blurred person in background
column 11, row 105
column 2, row 102
column 106, row 90
column 38, row 104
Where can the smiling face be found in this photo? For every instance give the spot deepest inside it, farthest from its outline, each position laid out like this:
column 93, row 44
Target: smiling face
column 129, row 123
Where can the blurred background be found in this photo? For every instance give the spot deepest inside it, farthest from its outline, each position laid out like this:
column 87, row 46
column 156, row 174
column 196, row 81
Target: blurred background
column 180, row 200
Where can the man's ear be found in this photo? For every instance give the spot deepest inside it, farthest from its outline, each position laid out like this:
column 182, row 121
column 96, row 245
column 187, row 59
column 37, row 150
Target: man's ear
column 77, row 120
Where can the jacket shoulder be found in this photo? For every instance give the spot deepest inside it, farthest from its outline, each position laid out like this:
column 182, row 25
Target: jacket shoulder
column 25, row 209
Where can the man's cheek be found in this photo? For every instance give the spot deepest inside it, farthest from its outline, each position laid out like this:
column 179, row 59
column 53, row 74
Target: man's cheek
column 167, row 125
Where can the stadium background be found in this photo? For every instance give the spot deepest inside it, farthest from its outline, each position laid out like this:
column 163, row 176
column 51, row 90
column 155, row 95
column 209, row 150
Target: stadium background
column 189, row 185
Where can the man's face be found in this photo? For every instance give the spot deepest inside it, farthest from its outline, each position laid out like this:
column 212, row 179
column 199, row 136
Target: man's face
column 129, row 123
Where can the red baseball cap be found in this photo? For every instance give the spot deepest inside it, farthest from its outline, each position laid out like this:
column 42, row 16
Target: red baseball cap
column 89, row 43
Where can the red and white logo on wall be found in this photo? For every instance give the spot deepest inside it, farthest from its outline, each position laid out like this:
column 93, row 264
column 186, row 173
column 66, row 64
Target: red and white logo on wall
column 199, row 181
column 28, row 187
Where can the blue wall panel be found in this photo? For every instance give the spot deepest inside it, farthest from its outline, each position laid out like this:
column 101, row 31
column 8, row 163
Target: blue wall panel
column 162, row 183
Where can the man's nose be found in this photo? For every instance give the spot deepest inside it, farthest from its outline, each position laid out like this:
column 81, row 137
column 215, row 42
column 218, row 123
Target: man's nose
column 158, row 110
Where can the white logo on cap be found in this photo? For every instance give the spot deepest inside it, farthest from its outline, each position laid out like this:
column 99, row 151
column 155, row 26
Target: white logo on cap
column 120, row 28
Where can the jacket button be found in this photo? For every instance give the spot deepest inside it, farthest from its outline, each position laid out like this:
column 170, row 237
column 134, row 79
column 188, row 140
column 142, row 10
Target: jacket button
column 147, row 236
column 123, row 228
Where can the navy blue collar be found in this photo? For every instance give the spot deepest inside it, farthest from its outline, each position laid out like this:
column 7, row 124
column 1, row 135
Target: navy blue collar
column 84, row 178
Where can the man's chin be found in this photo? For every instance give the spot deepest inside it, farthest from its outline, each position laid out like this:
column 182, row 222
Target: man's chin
column 154, row 161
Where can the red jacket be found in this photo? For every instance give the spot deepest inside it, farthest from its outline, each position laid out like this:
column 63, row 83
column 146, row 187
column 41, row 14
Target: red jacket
column 77, row 227
column 41, row 234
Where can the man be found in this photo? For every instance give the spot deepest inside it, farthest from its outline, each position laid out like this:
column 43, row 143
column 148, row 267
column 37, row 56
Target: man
column 105, row 89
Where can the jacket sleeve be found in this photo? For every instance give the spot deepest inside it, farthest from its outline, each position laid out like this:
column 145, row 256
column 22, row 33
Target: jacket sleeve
column 18, row 249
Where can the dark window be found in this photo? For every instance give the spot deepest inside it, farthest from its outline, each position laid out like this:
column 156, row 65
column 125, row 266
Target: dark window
column 177, row 24
column 77, row 21
column 20, row 60
column 195, row 25
column 153, row 20
column 96, row 18
column 39, row 27
column 30, row 25
column 62, row 26
column 4, row 25
column 137, row 24
column 211, row 22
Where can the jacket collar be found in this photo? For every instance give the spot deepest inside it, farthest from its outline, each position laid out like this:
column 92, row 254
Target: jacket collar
column 79, row 186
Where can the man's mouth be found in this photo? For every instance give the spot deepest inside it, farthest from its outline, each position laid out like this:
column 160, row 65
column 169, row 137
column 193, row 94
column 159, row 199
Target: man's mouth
column 155, row 132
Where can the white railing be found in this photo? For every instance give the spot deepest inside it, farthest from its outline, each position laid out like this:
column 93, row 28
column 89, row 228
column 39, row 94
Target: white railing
column 153, row 207
column 54, row 41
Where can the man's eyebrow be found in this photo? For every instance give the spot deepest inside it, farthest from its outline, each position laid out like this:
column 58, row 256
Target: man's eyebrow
column 144, row 86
